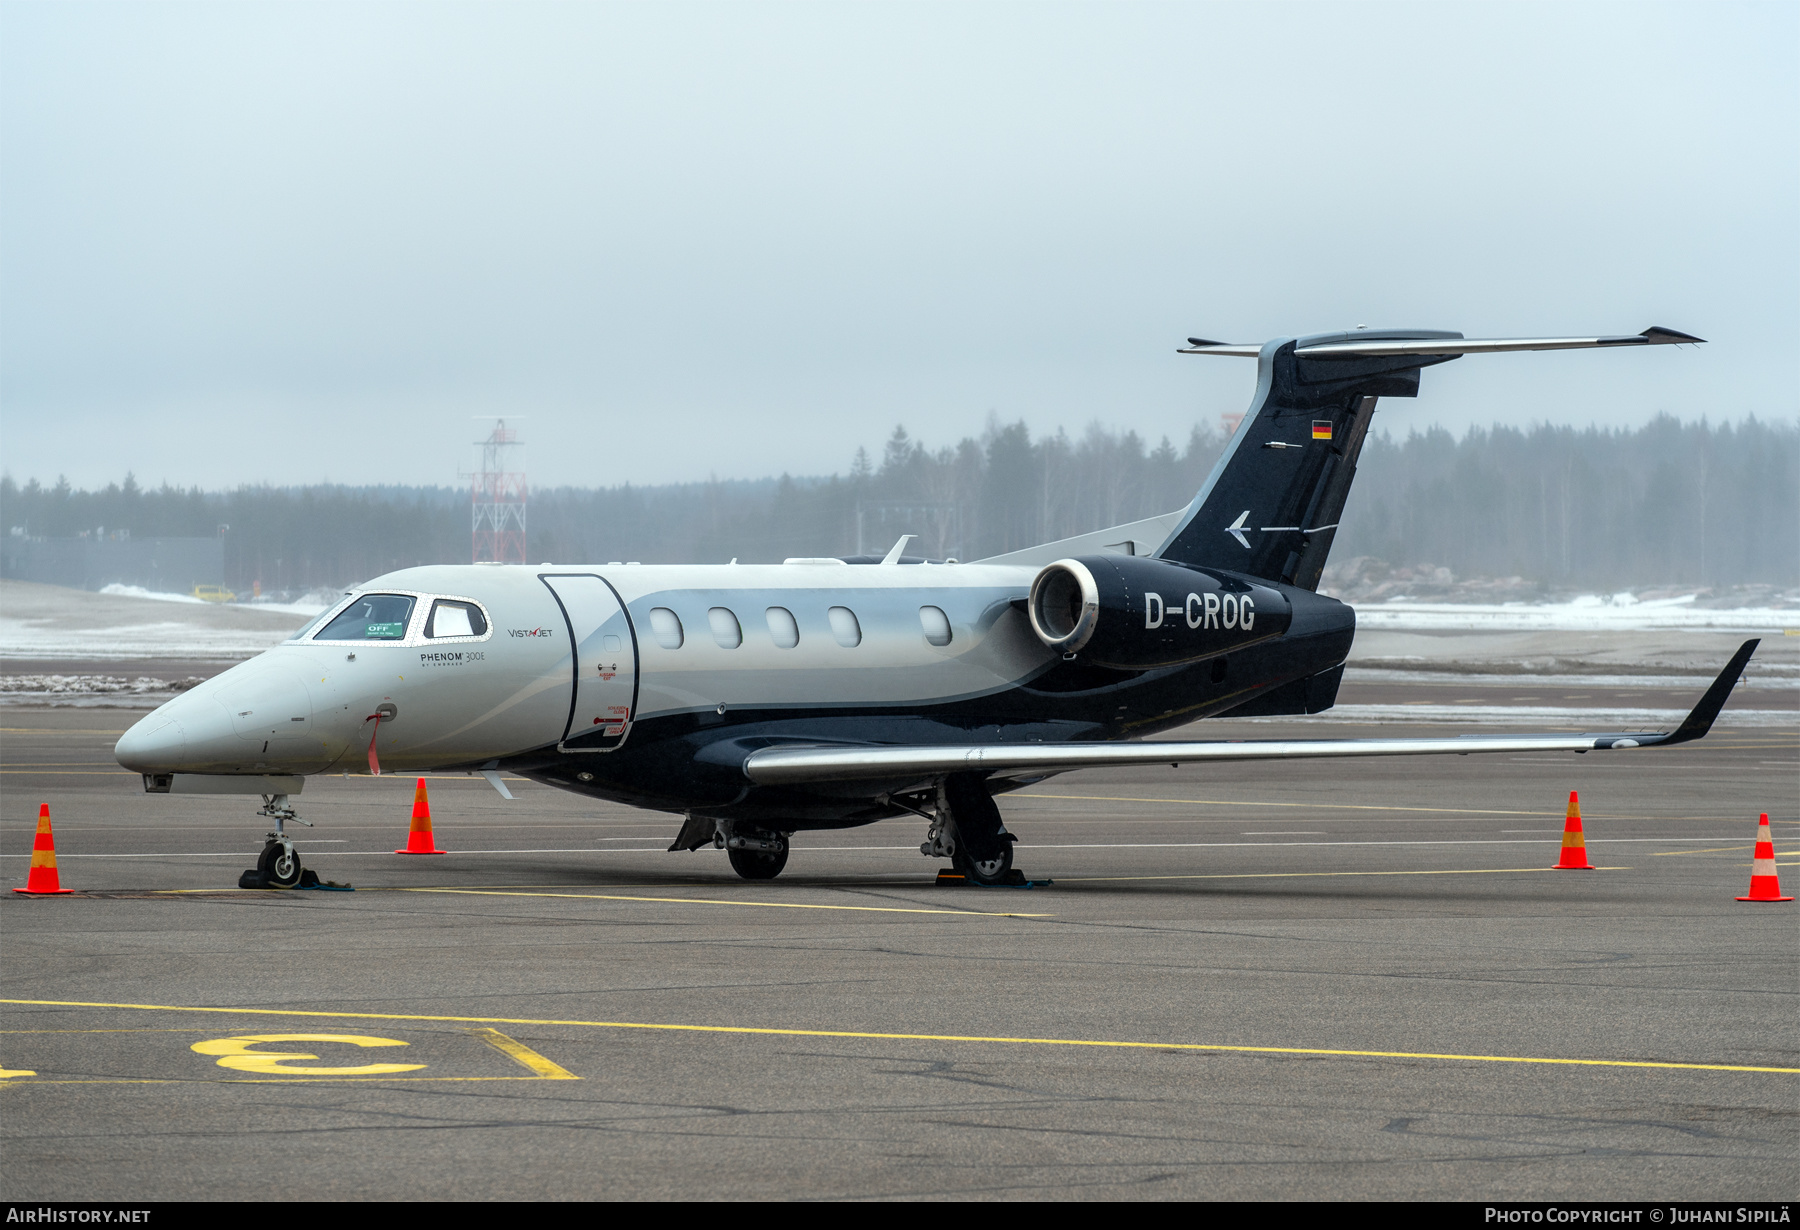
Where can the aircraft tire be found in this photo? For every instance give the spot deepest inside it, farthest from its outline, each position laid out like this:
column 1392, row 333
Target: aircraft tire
column 986, row 871
column 978, row 825
column 279, row 868
column 756, row 865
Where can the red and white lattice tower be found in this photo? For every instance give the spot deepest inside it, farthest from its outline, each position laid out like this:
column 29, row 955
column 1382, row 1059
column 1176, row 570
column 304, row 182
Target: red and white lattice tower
column 497, row 499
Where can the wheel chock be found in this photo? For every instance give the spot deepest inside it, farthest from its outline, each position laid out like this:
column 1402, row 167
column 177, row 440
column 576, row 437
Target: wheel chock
column 254, row 878
column 1012, row 879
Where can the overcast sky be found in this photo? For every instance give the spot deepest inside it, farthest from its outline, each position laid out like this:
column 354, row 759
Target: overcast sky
column 304, row 242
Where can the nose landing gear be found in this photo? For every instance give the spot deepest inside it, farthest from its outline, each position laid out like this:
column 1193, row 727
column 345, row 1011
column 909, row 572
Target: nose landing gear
column 278, row 866
column 755, row 854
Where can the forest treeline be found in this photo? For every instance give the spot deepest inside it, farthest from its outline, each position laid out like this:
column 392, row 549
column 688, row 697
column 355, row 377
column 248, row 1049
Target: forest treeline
column 1668, row 503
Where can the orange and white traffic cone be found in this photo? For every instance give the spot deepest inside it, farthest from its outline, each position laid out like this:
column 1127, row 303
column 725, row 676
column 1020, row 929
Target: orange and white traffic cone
column 42, row 880
column 418, row 838
column 1574, row 847
column 1765, row 885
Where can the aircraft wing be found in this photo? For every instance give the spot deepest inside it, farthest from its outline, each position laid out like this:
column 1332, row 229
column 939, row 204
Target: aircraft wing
column 797, row 764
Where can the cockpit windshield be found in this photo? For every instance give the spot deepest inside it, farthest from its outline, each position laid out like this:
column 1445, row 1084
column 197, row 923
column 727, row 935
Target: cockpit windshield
column 371, row 617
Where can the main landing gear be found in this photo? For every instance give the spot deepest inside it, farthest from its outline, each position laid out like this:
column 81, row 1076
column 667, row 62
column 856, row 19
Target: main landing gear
column 967, row 830
column 278, row 866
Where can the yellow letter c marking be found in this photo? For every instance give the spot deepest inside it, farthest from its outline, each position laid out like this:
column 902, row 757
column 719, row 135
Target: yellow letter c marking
column 235, row 1053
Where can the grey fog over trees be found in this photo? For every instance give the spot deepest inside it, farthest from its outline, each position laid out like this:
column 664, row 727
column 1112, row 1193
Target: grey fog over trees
column 1669, row 503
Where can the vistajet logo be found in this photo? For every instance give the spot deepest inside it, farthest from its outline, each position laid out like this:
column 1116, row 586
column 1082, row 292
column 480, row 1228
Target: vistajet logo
column 531, row 632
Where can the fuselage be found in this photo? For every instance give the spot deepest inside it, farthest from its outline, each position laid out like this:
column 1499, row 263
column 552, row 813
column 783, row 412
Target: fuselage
column 648, row 684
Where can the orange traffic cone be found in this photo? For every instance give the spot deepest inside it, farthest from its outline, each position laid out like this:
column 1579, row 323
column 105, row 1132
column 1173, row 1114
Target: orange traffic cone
column 418, row 838
column 1765, row 885
column 42, row 879
column 1574, row 847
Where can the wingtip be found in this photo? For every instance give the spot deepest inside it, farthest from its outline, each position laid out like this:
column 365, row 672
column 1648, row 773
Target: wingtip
column 1700, row 719
column 1657, row 335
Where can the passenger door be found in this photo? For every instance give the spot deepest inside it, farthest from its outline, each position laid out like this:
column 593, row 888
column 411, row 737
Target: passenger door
column 603, row 650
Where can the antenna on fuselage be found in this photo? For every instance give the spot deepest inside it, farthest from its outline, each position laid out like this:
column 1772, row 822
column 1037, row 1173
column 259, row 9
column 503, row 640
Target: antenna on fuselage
column 893, row 555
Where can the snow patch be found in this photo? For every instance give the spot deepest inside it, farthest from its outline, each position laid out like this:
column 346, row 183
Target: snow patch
column 1589, row 612
column 138, row 591
column 91, row 685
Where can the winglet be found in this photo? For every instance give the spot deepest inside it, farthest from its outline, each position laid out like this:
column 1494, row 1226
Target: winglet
column 1700, row 720
column 1656, row 335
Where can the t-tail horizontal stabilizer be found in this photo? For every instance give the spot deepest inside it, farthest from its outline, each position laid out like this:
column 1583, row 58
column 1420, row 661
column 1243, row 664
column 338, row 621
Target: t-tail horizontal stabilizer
column 1348, row 345
column 1271, row 506
column 795, row 765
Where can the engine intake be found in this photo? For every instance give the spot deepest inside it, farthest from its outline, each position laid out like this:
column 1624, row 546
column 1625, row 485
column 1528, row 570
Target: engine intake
column 1134, row 613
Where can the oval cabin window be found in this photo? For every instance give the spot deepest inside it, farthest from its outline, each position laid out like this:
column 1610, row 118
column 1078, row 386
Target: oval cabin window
column 936, row 625
column 845, row 627
column 782, row 627
column 725, row 628
column 665, row 625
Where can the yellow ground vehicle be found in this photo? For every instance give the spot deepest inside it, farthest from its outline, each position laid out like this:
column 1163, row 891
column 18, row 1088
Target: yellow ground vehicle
column 214, row 593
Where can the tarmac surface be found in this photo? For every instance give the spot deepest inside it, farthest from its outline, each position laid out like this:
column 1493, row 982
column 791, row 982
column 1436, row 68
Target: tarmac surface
column 1320, row 981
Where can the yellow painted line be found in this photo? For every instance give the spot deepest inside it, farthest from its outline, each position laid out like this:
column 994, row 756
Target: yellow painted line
column 395, row 776
column 773, row 905
column 540, row 1067
column 272, row 1080
column 1712, row 850
column 1449, row 811
column 195, row 1029
column 523, row 1055
column 1301, row 875
column 446, row 888
column 1103, row 1044
column 1322, row 806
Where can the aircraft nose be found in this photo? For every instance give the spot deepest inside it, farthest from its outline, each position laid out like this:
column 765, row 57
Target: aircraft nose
column 225, row 725
column 157, row 744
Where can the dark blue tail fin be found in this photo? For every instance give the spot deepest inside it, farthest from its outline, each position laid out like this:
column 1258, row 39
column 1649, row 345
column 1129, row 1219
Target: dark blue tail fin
column 1270, row 508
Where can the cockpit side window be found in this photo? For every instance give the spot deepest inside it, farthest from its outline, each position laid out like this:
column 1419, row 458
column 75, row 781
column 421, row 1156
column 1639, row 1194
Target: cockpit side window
column 371, row 617
column 305, row 632
column 450, row 618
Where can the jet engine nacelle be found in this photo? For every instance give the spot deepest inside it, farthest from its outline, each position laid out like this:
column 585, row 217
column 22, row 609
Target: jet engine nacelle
column 1135, row 613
